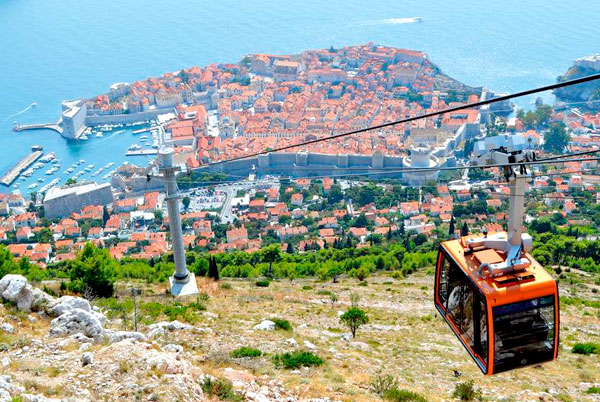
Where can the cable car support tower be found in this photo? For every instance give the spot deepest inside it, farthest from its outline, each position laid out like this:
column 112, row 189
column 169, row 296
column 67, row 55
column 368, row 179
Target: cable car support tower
column 183, row 282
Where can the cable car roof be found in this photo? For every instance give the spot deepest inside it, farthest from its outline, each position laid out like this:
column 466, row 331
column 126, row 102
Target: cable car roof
column 533, row 281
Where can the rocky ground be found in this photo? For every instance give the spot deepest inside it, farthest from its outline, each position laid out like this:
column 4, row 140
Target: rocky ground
column 66, row 349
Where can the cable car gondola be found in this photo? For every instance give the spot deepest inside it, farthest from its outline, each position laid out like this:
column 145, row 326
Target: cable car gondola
column 498, row 300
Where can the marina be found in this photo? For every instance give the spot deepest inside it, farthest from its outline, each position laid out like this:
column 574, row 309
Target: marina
column 13, row 173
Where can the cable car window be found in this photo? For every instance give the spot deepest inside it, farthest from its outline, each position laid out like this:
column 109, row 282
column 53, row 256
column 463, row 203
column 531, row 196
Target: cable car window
column 524, row 333
column 444, row 265
column 466, row 308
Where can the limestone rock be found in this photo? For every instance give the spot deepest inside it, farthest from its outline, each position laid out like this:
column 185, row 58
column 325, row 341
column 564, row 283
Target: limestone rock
column 292, row 342
column 170, row 325
column 86, row 358
column 265, row 325
column 309, row 345
column 171, row 347
column 118, row 336
column 6, row 327
column 67, row 303
column 77, row 321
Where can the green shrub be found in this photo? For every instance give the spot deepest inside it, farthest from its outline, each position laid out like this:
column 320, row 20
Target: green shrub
column 587, row 348
column 593, row 390
column 225, row 286
column 263, row 283
column 466, row 391
column 324, row 292
column 282, row 324
column 381, row 384
column 307, row 287
column 296, row 360
column 402, row 395
column 246, row 351
column 220, row 388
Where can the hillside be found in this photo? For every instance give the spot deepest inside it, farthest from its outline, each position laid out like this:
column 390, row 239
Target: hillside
column 169, row 361
column 586, row 92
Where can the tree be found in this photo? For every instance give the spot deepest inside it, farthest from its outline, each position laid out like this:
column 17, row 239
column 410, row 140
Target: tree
column 94, row 271
column 290, row 248
column 556, row 138
column 361, row 273
column 464, row 231
column 70, row 181
column 186, row 202
column 213, row 269
column 452, row 229
column 353, row 319
column 105, row 215
column 271, row 254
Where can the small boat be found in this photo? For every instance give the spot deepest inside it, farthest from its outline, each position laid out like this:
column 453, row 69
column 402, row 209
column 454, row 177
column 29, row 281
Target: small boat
column 81, row 161
column 50, row 172
column 32, row 186
column 119, row 131
column 37, row 148
column 143, row 137
column 83, row 137
column 135, row 147
column 41, row 179
column 99, row 135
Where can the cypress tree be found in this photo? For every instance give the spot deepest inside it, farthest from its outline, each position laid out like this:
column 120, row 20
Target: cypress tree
column 452, row 227
column 213, row 269
column 464, row 231
column 290, row 248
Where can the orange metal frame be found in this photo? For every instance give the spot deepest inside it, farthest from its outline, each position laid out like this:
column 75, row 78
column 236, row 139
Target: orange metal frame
column 494, row 295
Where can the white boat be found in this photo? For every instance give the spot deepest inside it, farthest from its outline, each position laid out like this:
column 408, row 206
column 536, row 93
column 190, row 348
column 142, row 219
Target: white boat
column 135, row 147
column 143, row 137
column 83, row 137
column 50, row 172
column 28, row 173
column 99, row 135
column 41, row 179
column 119, row 131
column 48, row 157
column 81, row 161
column 32, row 186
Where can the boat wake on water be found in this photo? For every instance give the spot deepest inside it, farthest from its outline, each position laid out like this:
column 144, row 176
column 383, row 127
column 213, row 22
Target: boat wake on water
column 400, row 21
column 21, row 112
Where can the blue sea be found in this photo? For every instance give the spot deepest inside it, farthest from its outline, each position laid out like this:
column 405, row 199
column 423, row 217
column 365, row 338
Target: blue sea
column 55, row 50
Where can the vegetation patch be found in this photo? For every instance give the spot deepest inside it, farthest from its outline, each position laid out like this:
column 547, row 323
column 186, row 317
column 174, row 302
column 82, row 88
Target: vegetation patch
column 282, row 324
column 466, row 391
column 296, row 360
column 246, row 351
column 263, row 283
column 402, row 395
column 587, row 348
column 219, row 387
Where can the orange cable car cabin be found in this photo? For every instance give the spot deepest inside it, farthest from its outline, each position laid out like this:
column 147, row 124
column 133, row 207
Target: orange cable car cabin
column 504, row 322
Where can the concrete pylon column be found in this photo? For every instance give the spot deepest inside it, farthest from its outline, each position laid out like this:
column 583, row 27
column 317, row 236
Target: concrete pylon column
column 182, row 282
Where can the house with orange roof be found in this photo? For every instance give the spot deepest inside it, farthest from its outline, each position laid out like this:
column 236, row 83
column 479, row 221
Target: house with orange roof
column 237, row 234
column 24, row 234
column 297, row 199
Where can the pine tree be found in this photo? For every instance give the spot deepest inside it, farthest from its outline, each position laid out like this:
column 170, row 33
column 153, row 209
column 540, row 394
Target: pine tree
column 464, row 231
column 402, row 230
column 389, row 234
column 290, row 248
column 349, row 242
column 452, row 229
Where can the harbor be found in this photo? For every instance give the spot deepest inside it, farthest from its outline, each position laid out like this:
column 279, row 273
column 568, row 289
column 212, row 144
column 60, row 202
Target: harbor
column 23, row 164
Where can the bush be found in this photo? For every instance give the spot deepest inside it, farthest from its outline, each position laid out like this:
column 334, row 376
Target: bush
column 466, row 391
column 381, row 384
column 307, row 287
column 263, row 283
column 220, row 388
column 587, row 348
column 225, row 286
column 296, row 360
column 402, row 395
column 593, row 390
column 282, row 324
column 246, row 351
